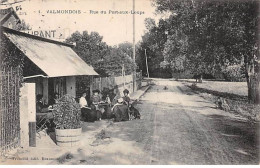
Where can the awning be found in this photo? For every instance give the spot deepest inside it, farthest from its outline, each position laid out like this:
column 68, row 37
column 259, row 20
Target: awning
column 52, row 57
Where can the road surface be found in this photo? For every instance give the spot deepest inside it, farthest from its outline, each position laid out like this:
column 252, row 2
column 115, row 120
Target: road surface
column 176, row 127
column 179, row 127
column 189, row 130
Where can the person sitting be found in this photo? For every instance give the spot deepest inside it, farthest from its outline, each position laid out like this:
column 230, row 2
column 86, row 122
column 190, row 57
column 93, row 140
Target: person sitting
column 96, row 100
column 120, row 111
column 107, row 100
column 126, row 97
column 40, row 107
column 82, row 101
column 84, row 107
column 120, row 101
column 54, row 99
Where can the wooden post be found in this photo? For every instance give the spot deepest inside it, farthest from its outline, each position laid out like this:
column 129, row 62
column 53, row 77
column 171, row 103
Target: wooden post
column 32, row 114
column 91, row 85
column 134, row 75
column 147, row 70
column 100, row 83
column 45, row 90
column 123, row 74
column 32, row 134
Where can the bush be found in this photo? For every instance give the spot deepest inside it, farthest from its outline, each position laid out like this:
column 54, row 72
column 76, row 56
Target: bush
column 67, row 113
column 234, row 73
column 182, row 75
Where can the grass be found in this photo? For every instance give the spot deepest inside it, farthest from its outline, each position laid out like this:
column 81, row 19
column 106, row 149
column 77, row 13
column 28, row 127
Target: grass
column 234, row 93
column 237, row 88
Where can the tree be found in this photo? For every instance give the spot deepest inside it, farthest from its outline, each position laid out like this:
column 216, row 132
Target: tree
column 149, row 23
column 174, row 52
column 106, row 60
column 218, row 33
column 119, row 57
column 22, row 26
column 153, row 42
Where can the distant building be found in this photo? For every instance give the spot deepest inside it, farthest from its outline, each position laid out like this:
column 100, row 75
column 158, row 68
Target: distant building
column 9, row 18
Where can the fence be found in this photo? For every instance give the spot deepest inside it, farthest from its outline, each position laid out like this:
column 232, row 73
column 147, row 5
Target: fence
column 119, row 82
column 9, row 109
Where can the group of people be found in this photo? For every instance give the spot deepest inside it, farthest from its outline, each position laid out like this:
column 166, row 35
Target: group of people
column 97, row 104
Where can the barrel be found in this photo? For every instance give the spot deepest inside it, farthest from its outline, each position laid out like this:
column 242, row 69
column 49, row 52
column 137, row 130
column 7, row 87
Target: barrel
column 68, row 137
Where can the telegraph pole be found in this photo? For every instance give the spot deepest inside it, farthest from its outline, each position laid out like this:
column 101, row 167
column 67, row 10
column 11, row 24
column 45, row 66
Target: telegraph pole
column 146, row 64
column 134, row 75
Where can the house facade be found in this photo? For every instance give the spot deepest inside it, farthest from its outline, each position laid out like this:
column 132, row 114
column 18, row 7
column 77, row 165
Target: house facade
column 51, row 66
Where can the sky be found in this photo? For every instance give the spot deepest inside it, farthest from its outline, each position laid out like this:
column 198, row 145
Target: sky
column 115, row 28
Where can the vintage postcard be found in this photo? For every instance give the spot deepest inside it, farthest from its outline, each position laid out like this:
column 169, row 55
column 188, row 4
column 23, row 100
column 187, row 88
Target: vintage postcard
column 129, row 82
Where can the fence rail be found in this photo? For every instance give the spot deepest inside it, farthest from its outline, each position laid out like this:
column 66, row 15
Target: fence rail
column 115, row 82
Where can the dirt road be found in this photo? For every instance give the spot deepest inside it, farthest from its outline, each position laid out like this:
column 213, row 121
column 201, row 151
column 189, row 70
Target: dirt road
column 179, row 127
column 189, row 130
column 176, row 127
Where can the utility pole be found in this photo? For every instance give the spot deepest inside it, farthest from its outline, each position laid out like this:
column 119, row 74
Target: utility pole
column 123, row 74
column 146, row 64
column 134, row 75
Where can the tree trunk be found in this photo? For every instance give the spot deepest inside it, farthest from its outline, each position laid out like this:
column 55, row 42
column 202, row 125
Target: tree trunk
column 253, row 72
column 253, row 88
column 200, row 78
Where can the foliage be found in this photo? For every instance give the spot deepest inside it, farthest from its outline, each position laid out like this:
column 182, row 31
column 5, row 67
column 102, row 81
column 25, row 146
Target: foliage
column 11, row 61
column 153, row 42
column 67, row 113
column 212, row 34
column 22, row 26
column 82, row 85
column 89, row 47
column 216, row 30
column 234, row 73
column 106, row 60
column 119, row 56
column 11, row 57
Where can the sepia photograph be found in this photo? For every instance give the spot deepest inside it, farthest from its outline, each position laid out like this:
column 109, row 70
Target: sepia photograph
column 129, row 82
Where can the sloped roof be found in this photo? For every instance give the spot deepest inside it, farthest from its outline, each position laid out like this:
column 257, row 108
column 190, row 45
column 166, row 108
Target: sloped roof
column 52, row 57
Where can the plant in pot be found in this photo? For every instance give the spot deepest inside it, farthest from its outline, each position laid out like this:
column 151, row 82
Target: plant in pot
column 67, row 116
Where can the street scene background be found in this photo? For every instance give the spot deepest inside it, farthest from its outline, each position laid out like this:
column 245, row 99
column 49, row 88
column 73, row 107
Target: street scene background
column 186, row 71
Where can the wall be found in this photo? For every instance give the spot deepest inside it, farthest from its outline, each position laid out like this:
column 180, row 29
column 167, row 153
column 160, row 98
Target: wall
column 27, row 111
column 71, row 85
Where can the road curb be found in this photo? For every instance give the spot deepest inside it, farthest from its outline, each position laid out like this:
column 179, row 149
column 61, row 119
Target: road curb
column 143, row 93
